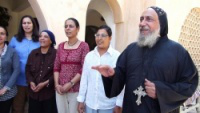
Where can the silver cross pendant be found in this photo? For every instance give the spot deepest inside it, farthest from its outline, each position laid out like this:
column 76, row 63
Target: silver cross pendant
column 139, row 92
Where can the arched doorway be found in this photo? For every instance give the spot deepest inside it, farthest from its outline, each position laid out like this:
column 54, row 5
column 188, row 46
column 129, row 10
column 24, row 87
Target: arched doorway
column 102, row 12
column 38, row 13
column 94, row 20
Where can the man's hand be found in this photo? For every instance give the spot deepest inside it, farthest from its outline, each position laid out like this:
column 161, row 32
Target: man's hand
column 105, row 70
column 3, row 91
column 117, row 109
column 150, row 89
column 81, row 107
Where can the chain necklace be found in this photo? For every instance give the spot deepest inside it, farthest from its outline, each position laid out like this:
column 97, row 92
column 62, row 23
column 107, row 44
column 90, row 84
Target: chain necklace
column 71, row 45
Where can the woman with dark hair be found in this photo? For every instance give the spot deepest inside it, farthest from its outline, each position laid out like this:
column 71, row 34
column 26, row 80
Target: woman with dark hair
column 68, row 67
column 39, row 74
column 27, row 26
column 9, row 70
column 24, row 42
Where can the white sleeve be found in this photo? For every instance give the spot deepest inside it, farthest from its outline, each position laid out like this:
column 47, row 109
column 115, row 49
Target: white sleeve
column 83, row 82
column 120, row 98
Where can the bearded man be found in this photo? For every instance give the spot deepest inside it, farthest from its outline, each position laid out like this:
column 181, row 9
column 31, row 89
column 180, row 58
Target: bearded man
column 158, row 73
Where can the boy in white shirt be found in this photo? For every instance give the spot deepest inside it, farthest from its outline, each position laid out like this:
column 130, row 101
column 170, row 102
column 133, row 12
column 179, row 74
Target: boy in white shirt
column 92, row 98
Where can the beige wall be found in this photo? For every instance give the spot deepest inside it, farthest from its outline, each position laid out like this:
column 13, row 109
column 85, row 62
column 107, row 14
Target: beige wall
column 107, row 12
column 127, row 31
column 27, row 11
column 53, row 13
column 123, row 17
column 177, row 11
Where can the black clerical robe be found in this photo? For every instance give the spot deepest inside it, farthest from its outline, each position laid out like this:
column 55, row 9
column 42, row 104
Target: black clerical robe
column 167, row 64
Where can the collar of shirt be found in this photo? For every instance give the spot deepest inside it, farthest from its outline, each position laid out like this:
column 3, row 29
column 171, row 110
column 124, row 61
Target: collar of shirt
column 109, row 51
column 38, row 52
column 4, row 50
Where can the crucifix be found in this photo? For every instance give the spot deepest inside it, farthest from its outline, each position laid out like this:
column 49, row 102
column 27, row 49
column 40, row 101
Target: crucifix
column 139, row 92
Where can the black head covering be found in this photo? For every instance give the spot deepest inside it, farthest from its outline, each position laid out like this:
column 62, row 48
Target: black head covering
column 51, row 36
column 162, row 19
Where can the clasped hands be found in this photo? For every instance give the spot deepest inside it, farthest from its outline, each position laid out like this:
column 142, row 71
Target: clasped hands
column 38, row 87
column 63, row 89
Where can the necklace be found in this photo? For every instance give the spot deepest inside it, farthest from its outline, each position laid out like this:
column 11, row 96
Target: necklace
column 71, row 45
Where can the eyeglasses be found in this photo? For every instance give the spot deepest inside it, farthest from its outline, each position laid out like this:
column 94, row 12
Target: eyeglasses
column 100, row 35
column 70, row 26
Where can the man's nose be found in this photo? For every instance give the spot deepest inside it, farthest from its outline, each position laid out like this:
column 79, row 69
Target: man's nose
column 142, row 23
column 68, row 27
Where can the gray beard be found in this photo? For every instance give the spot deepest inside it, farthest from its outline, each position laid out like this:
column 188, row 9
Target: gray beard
column 149, row 40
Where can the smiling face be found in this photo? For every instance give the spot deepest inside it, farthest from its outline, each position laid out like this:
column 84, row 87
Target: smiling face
column 27, row 25
column 149, row 31
column 45, row 40
column 2, row 35
column 102, row 39
column 149, row 22
column 71, row 29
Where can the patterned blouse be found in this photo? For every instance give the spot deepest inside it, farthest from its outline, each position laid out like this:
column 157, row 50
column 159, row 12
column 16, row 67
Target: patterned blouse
column 12, row 91
column 69, row 62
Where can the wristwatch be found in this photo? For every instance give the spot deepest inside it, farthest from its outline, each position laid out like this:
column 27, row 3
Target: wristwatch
column 72, row 83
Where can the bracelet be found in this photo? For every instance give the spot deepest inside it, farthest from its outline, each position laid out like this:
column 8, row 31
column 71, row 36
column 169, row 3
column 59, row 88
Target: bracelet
column 72, row 83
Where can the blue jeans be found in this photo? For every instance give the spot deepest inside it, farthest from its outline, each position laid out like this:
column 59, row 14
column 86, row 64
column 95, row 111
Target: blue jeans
column 90, row 110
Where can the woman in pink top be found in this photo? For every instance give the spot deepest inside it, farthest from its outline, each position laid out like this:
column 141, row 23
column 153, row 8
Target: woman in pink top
column 68, row 67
